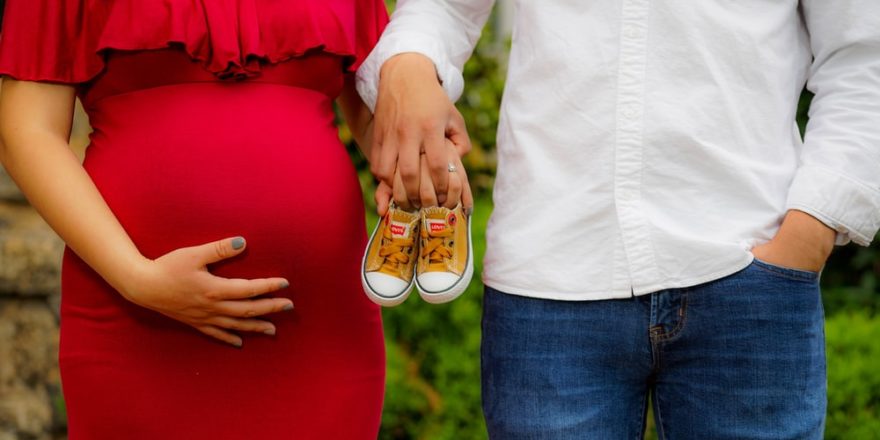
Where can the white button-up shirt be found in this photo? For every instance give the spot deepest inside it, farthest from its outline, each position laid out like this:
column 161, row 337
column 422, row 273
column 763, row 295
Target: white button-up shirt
column 650, row 145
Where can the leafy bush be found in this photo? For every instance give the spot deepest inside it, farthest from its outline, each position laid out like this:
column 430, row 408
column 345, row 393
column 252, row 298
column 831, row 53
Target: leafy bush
column 851, row 280
column 853, row 383
column 433, row 389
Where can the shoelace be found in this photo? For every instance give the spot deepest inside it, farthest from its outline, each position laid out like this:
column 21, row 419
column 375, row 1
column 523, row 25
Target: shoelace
column 395, row 251
column 436, row 248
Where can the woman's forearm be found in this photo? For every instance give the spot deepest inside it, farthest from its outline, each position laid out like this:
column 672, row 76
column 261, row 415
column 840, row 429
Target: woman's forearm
column 35, row 124
column 34, row 150
column 357, row 116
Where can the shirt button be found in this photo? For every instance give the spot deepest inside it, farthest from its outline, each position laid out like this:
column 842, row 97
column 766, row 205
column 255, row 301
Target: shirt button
column 632, row 31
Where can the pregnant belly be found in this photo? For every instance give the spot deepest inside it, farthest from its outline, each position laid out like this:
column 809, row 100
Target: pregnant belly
column 187, row 164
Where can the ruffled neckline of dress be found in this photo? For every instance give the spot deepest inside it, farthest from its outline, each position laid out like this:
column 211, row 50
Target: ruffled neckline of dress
column 231, row 38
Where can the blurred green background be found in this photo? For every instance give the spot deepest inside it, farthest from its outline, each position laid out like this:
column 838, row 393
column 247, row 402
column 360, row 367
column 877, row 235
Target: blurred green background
column 433, row 387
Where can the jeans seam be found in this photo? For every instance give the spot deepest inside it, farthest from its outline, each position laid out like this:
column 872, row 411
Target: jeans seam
column 796, row 276
column 679, row 326
column 640, row 433
column 655, row 355
column 658, row 417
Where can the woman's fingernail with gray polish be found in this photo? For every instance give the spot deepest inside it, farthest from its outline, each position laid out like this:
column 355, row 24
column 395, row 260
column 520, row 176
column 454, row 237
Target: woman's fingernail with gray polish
column 285, row 284
column 237, row 243
column 288, row 307
column 237, row 344
column 269, row 331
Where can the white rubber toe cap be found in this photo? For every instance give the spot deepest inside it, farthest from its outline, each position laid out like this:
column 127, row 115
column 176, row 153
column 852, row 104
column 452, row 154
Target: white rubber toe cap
column 386, row 285
column 436, row 282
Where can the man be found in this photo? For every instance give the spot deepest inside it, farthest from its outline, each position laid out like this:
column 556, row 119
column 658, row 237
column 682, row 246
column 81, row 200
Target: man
column 659, row 225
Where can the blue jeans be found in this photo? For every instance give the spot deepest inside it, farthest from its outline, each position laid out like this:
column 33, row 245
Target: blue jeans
column 742, row 357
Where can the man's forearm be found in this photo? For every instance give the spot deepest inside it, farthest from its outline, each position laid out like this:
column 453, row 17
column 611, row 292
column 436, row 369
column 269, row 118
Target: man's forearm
column 838, row 180
column 445, row 32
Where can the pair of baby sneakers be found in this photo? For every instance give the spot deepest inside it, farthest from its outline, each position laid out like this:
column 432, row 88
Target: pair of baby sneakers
column 430, row 249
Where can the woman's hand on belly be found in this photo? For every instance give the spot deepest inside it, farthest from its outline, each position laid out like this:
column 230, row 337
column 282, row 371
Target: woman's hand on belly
column 35, row 121
column 179, row 285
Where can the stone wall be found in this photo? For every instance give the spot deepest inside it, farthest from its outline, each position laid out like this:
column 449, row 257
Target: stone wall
column 31, row 406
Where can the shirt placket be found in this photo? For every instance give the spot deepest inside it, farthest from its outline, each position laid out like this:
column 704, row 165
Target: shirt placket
column 640, row 269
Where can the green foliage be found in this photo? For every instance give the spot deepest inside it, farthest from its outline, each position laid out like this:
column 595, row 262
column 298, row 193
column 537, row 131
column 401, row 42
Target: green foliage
column 409, row 395
column 433, row 382
column 433, row 389
column 803, row 110
column 851, row 280
column 853, row 383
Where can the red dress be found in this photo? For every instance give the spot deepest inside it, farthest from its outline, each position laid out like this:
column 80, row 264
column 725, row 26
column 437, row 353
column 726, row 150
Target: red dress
column 224, row 127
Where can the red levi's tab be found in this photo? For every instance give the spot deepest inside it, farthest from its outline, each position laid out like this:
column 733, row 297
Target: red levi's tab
column 400, row 230
column 436, row 226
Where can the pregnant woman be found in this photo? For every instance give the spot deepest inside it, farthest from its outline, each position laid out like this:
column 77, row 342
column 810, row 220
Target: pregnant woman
column 215, row 195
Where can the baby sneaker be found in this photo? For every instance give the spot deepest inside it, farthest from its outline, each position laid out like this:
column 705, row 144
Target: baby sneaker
column 446, row 263
column 389, row 260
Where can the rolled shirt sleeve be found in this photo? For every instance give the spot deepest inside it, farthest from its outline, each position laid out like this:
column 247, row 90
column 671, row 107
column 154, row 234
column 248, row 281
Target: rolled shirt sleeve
column 444, row 31
column 838, row 180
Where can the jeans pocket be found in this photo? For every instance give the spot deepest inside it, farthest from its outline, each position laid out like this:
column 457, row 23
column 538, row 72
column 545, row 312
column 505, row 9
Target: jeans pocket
column 787, row 272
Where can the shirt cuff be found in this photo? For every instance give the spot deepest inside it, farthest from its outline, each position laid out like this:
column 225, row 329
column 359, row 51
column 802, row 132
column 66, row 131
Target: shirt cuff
column 408, row 42
column 848, row 206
